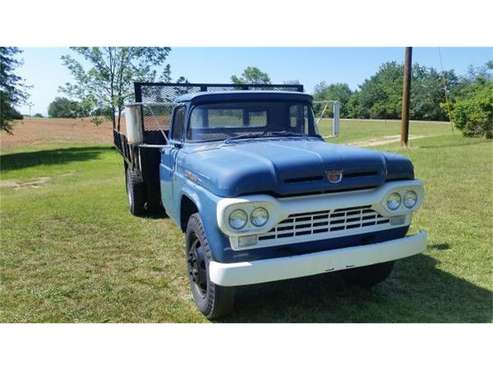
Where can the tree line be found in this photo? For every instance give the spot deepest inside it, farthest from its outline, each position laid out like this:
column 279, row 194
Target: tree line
column 435, row 96
column 380, row 96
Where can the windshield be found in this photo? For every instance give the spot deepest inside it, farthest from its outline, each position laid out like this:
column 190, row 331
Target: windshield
column 221, row 121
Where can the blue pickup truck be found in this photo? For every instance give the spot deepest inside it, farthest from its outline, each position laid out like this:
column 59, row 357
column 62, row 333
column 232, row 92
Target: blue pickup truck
column 244, row 173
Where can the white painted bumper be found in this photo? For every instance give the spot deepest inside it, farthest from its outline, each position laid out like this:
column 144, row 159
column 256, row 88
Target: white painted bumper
column 261, row 271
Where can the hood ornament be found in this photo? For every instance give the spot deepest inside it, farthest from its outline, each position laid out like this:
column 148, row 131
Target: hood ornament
column 334, row 176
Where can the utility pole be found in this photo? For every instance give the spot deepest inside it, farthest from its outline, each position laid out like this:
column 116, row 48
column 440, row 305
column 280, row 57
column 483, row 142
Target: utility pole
column 406, row 88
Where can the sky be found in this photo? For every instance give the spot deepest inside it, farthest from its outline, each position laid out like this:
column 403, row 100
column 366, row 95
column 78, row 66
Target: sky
column 43, row 68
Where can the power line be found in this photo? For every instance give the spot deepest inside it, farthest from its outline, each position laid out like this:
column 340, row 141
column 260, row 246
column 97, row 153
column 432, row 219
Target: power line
column 444, row 80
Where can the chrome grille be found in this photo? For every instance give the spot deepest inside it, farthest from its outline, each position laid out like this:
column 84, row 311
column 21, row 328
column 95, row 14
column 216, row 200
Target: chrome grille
column 326, row 222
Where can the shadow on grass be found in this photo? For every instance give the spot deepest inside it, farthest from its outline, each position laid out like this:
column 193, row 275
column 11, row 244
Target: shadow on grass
column 50, row 157
column 156, row 214
column 440, row 246
column 417, row 291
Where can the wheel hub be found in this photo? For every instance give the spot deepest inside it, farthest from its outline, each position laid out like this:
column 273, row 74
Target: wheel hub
column 196, row 266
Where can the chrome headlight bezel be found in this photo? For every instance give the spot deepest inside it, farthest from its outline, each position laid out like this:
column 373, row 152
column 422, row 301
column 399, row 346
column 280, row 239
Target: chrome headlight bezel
column 384, row 208
column 248, row 204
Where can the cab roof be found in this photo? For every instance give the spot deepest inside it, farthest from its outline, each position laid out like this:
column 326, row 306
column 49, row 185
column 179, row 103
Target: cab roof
column 256, row 95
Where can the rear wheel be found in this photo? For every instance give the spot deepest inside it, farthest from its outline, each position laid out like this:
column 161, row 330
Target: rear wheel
column 368, row 276
column 212, row 300
column 135, row 192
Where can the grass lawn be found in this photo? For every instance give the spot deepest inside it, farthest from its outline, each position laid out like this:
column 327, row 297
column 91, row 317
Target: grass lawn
column 360, row 131
column 71, row 252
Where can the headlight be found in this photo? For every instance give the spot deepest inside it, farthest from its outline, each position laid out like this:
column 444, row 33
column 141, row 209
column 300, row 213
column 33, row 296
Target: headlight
column 410, row 199
column 238, row 219
column 393, row 201
column 259, row 216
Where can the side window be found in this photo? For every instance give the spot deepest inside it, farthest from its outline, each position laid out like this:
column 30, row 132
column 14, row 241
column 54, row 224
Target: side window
column 178, row 124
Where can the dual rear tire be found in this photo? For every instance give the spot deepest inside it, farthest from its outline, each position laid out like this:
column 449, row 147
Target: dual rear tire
column 140, row 202
column 135, row 191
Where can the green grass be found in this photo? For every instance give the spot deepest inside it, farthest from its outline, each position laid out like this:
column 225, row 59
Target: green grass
column 360, row 130
column 71, row 252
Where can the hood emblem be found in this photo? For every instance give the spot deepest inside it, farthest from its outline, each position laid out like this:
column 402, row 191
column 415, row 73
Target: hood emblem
column 334, row 176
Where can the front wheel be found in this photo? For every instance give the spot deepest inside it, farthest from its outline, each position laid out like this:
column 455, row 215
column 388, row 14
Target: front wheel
column 368, row 276
column 212, row 300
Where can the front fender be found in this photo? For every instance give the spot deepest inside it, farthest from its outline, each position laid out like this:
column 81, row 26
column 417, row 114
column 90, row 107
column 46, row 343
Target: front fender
column 206, row 204
column 193, row 196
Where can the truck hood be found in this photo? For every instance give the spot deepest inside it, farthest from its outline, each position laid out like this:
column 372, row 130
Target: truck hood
column 292, row 166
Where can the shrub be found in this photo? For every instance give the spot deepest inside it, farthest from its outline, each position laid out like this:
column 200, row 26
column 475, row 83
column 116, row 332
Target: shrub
column 65, row 108
column 473, row 114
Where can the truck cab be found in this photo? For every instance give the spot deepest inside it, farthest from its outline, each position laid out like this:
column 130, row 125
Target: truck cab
column 262, row 197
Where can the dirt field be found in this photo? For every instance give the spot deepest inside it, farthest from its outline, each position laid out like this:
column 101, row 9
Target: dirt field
column 38, row 132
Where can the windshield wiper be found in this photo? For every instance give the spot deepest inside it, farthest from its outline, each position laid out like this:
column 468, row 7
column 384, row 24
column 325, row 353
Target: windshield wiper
column 294, row 134
column 264, row 134
column 246, row 136
column 285, row 133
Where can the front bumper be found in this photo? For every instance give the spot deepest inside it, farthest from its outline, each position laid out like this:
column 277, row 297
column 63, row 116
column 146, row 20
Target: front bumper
column 273, row 269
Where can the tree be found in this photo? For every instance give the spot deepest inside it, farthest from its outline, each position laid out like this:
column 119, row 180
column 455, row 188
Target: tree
column 107, row 83
column 251, row 75
column 428, row 89
column 380, row 96
column 339, row 91
column 472, row 107
column 12, row 89
column 66, row 108
column 467, row 84
column 354, row 108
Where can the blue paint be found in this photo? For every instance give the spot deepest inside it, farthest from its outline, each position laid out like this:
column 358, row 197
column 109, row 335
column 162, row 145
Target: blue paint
column 279, row 166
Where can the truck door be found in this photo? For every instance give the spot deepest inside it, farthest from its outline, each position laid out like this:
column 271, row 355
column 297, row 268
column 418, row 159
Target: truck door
column 167, row 166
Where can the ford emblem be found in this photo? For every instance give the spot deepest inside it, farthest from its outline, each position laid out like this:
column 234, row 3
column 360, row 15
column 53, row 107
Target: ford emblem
column 334, row 176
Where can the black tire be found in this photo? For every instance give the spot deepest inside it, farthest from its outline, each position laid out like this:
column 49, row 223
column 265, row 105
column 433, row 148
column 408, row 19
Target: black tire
column 136, row 192
column 212, row 300
column 368, row 276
